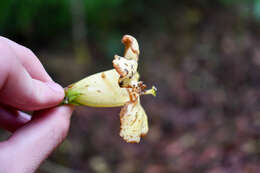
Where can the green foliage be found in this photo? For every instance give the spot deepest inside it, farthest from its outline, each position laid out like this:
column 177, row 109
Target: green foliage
column 257, row 9
column 232, row 2
column 43, row 21
column 34, row 17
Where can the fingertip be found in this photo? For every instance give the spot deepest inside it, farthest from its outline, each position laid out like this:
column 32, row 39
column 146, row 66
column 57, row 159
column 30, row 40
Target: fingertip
column 11, row 119
column 45, row 95
column 28, row 59
column 63, row 115
column 59, row 115
column 57, row 89
column 58, row 120
column 64, row 111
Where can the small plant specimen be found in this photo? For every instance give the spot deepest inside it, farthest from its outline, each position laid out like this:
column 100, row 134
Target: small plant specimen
column 116, row 87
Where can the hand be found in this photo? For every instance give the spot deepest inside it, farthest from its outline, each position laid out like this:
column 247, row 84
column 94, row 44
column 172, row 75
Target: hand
column 25, row 85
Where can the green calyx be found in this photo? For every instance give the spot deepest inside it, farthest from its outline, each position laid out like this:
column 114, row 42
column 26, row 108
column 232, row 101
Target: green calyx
column 70, row 97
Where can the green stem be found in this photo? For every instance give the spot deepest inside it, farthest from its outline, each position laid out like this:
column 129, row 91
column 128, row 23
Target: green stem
column 151, row 91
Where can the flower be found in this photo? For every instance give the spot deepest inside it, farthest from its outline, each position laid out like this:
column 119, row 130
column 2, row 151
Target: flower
column 117, row 87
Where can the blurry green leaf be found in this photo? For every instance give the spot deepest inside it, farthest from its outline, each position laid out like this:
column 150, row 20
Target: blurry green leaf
column 257, row 9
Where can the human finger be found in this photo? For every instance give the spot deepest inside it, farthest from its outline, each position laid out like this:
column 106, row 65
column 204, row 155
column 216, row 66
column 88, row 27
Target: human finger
column 12, row 119
column 33, row 143
column 19, row 90
column 29, row 60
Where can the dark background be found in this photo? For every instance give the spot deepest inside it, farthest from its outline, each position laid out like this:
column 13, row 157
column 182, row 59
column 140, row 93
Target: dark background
column 203, row 56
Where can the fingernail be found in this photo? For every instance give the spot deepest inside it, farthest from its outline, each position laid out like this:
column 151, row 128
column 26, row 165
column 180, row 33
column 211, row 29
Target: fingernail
column 55, row 87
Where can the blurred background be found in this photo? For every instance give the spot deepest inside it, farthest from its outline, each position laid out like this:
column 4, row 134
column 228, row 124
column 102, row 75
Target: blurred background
column 203, row 56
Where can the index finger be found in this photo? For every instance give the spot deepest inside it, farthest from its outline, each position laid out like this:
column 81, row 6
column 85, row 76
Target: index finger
column 21, row 91
column 28, row 59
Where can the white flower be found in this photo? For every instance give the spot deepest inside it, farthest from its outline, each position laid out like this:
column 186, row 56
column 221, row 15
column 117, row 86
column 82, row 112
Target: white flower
column 116, row 87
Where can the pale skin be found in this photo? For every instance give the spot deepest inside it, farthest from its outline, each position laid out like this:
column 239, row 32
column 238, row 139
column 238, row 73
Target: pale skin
column 25, row 85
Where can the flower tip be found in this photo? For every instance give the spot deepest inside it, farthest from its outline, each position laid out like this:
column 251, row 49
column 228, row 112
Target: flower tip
column 131, row 47
column 127, row 39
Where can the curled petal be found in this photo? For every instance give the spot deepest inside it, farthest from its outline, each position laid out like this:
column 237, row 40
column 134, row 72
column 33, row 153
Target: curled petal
column 131, row 47
column 126, row 69
column 134, row 123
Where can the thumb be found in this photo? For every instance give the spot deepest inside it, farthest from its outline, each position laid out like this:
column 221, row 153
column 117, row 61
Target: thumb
column 31, row 144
